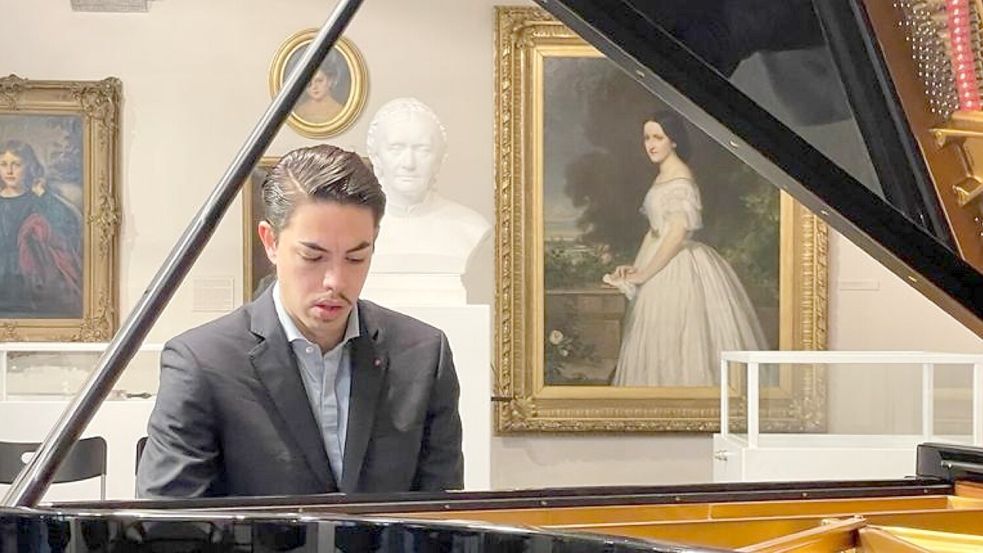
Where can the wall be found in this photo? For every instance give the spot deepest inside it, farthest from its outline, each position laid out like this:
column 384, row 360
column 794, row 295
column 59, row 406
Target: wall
column 195, row 82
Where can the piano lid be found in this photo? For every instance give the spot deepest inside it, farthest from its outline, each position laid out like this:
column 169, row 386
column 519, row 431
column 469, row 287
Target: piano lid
column 823, row 119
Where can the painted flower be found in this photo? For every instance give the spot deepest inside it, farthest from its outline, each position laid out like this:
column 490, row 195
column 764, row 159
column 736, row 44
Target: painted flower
column 556, row 337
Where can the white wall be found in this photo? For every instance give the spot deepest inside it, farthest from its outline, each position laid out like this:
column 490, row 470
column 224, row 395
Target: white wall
column 195, row 81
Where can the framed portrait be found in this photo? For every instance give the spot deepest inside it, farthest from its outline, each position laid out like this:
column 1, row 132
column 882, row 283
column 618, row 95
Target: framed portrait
column 335, row 95
column 631, row 249
column 257, row 271
column 59, row 210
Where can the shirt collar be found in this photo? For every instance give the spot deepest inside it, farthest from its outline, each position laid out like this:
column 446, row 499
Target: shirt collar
column 293, row 334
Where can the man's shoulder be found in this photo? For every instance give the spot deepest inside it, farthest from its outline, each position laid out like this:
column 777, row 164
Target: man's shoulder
column 397, row 327
column 229, row 330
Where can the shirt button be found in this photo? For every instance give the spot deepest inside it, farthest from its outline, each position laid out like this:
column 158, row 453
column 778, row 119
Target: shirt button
column 309, row 349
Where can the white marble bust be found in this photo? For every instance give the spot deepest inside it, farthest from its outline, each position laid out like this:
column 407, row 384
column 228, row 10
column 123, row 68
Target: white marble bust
column 422, row 233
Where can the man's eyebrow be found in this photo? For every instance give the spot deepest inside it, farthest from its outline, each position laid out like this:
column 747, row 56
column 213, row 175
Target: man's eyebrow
column 313, row 246
column 361, row 246
column 316, row 247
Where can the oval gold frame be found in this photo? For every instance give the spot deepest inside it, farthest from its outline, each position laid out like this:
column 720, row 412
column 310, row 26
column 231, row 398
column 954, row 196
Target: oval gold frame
column 357, row 94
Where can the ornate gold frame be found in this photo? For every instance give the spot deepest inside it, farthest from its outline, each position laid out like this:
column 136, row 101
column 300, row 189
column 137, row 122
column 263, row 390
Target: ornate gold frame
column 524, row 36
column 98, row 103
column 249, row 227
column 359, row 85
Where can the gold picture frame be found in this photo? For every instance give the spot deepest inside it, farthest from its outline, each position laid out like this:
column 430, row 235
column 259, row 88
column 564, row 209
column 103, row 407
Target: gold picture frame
column 341, row 86
column 60, row 142
column 532, row 49
column 256, row 268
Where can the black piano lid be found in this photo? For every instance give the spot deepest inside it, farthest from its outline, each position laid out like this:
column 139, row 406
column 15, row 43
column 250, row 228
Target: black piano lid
column 30, row 530
column 629, row 32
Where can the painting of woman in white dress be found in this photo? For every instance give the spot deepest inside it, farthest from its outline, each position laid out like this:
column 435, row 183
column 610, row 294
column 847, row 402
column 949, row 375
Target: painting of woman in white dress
column 686, row 303
column 597, row 176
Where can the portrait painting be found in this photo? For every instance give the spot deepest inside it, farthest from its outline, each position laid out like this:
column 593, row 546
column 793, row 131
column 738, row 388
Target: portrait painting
column 58, row 209
column 334, row 97
column 258, row 272
column 633, row 249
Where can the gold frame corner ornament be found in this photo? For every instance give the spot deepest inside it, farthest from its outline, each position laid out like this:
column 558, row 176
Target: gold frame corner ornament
column 523, row 36
column 97, row 103
column 351, row 109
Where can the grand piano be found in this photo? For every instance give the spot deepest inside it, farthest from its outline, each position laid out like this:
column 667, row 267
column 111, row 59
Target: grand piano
column 914, row 205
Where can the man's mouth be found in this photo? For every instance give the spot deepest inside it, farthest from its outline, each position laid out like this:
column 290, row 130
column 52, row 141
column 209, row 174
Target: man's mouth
column 331, row 306
column 328, row 309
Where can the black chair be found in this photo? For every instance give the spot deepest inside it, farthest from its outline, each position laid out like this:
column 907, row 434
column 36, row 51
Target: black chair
column 86, row 459
column 141, row 443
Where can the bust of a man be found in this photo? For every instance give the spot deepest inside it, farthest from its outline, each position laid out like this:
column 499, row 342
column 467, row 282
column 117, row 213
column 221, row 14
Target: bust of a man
column 422, row 232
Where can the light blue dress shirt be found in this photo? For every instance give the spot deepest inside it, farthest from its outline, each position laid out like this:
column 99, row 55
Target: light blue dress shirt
column 327, row 379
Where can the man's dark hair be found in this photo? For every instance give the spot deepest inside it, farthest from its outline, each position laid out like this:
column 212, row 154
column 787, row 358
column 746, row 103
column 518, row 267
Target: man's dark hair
column 322, row 173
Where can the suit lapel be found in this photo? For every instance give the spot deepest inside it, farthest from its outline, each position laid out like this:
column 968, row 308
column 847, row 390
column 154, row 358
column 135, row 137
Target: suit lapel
column 277, row 370
column 369, row 366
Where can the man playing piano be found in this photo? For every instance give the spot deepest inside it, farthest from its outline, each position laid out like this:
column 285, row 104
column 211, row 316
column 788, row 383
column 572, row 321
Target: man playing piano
column 308, row 389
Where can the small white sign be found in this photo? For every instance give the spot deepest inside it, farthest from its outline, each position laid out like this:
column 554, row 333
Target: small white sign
column 118, row 6
column 859, row 285
column 213, row 294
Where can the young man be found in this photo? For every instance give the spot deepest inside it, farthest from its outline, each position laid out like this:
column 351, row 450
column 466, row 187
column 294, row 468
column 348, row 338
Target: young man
column 308, row 389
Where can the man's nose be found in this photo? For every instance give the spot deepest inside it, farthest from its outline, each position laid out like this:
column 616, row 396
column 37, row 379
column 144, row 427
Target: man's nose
column 333, row 278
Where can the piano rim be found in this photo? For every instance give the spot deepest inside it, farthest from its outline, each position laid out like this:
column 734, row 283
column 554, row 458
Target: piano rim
column 381, row 503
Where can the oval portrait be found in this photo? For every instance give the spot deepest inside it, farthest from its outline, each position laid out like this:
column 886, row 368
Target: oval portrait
column 335, row 95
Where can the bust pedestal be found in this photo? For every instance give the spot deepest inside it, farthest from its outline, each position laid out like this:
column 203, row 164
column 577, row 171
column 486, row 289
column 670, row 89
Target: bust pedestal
column 415, row 279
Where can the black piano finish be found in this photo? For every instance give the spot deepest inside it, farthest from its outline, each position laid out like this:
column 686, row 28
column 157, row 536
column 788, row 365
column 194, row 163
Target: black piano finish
column 37, row 531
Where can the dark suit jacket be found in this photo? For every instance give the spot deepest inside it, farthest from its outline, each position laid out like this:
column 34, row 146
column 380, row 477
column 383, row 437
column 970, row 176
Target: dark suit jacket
column 232, row 416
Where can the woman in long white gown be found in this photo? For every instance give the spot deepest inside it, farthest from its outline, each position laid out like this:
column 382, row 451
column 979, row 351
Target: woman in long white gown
column 687, row 304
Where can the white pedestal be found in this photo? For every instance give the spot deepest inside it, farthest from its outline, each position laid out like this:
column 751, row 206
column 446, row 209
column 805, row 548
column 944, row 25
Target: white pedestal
column 415, row 289
column 120, row 423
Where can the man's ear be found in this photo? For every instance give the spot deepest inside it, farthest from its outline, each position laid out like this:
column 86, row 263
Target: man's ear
column 268, row 237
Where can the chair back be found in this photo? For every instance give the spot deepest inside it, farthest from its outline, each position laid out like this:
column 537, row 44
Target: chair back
column 86, row 459
column 141, row 443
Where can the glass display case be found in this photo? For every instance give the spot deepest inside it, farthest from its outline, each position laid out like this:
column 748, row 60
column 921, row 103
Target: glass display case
column 878, row 406
column 56, row 371
column 39, row 380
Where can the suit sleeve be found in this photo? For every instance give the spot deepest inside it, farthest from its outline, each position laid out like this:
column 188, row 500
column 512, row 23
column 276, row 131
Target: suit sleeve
column 441, row 465
column 181, row 457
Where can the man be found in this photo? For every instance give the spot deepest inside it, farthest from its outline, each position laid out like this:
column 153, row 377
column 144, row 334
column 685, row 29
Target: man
column 307, row 389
